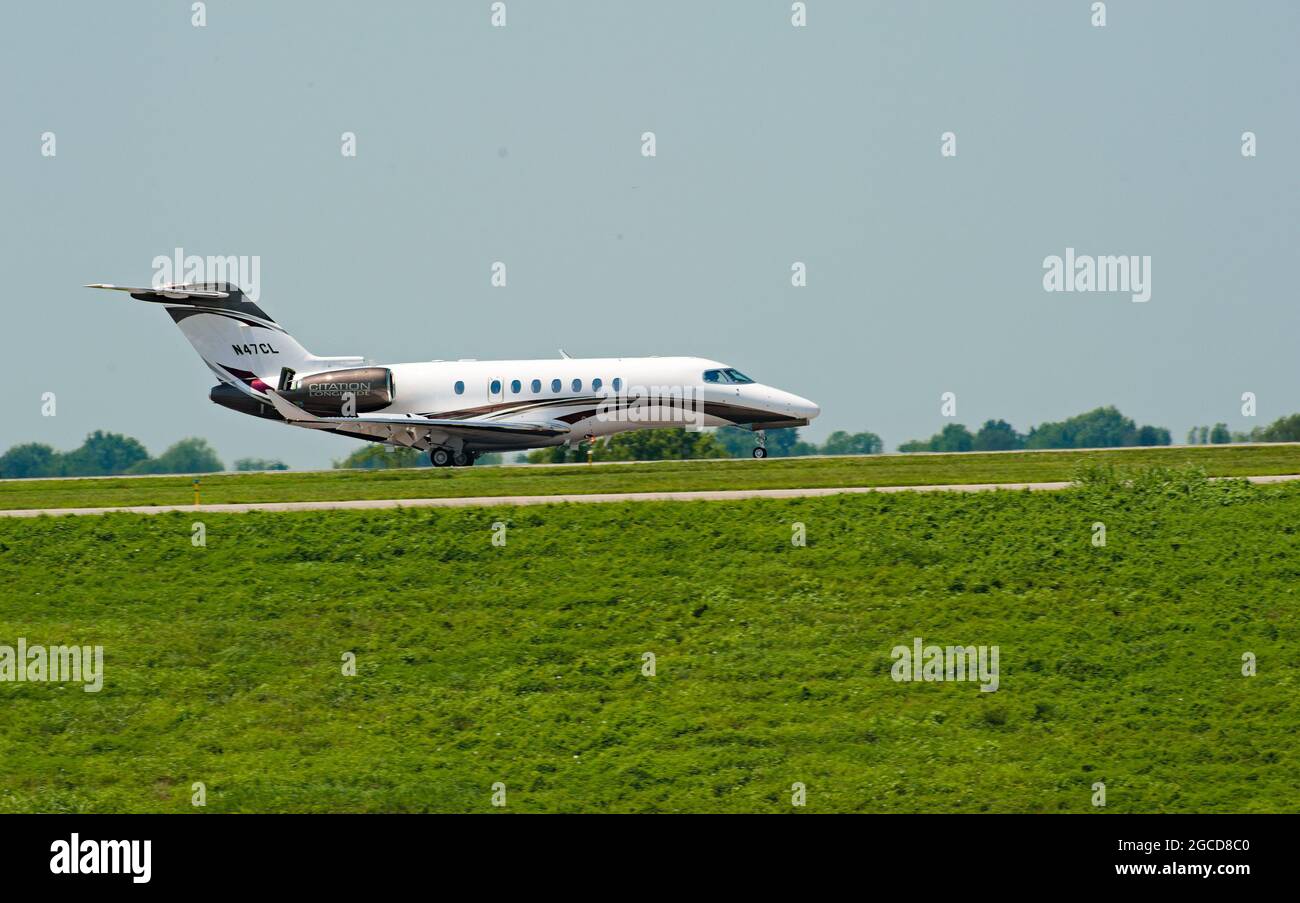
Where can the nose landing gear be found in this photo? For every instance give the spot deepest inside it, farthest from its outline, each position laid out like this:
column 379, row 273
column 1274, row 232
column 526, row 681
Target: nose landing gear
column 760, row 451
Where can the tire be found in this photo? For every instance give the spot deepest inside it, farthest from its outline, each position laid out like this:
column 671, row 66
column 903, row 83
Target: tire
column 440, row 457
column 760, row 452
column 462, row 459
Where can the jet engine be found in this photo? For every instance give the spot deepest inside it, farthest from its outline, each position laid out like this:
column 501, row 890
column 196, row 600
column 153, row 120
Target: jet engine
column 325, row 394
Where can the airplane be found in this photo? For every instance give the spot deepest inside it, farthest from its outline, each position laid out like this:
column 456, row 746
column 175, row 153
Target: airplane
column 458, row 410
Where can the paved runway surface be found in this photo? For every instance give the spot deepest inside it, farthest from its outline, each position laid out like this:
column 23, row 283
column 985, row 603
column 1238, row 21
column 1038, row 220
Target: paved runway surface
column 487, row 501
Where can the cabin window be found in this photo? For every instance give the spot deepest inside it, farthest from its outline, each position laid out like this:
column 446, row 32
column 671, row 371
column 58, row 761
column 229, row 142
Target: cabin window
column 577, row 385
column 460, row 387
column 618, row 384
column 536, row 386
column 515, row 386
column 596, row 384
column 556, row 385
column 496, row 387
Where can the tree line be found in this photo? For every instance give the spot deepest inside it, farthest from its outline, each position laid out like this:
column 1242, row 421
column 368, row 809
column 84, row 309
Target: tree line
column 108, row 454
column 112, row 454
column 1284, row 429
column 727, row 442
column 1102, row 427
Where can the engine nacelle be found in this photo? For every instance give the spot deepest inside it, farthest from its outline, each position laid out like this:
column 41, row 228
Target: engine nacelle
column 324, row 394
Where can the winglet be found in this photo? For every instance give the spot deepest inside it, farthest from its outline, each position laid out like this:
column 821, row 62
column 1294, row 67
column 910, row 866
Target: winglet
column 564, row 354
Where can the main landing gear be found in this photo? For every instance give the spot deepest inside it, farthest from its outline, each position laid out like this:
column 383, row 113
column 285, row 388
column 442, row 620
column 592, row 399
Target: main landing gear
column 444, row 457
column 760, row 451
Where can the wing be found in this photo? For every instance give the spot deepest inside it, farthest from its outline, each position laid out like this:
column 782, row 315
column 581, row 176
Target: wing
column 411, row 430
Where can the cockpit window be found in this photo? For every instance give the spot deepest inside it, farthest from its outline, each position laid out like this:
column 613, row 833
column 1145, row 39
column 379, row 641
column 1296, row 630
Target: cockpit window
column 726, row 375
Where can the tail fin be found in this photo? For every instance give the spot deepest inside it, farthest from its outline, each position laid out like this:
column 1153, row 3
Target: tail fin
column 237, row 339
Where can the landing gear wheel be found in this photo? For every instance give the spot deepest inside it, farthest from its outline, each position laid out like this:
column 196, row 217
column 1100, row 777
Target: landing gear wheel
column 462, row 459
column 760, row 452
column 440, row 457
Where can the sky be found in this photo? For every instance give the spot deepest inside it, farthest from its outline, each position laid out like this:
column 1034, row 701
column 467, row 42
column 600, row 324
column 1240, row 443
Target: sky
column 774, row 144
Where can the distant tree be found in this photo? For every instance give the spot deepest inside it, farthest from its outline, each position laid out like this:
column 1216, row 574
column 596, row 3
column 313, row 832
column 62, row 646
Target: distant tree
column 954, row 437
column 377, row 456
column 1192, row 435
column 660, row 445
column 784, row 444
column 636, row 445
column 737, row 442
column 556, row 454
column 260, row 464
column 31, row 460
column 1284, row 429
column 843, row 443
column 1203, row 435
column 1099, row 428
column 191, row 455
column 1220, row 435
column 997, row 435
column 103, row 454
column 1153, row 435
column 1049, row 435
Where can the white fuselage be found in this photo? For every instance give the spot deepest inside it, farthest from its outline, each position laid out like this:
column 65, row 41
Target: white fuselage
column 585, row 393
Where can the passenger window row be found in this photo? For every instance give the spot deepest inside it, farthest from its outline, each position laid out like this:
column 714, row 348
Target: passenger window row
column 516, row 387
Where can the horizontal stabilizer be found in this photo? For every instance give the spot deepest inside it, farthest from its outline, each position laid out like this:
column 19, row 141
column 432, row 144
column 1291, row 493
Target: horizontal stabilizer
column 169, row 292
column 200, row 296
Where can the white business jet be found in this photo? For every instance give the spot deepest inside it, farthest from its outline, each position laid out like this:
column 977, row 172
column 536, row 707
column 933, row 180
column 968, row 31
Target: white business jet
column 457, row 410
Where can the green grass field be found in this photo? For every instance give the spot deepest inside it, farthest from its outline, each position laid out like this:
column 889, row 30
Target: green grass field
column 521, row 664
column 882, row 470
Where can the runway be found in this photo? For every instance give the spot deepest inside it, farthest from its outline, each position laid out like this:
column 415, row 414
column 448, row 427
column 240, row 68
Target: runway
column 576, row 498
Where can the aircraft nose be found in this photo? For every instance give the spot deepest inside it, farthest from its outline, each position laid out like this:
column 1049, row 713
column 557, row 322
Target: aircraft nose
column 796, row 406
column 805, row 408
column 786, row 404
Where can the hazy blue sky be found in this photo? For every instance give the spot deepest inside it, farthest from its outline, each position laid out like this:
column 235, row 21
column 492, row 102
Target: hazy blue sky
column 775, row 144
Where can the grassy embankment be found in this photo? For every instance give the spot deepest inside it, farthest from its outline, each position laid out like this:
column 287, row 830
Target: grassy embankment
column 523, row 664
